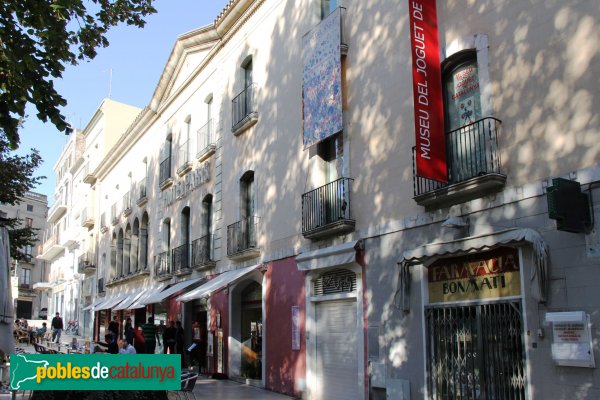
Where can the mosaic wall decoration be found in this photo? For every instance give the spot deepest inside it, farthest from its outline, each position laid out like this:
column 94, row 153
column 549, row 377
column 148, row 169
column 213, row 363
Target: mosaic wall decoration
column 322, row 89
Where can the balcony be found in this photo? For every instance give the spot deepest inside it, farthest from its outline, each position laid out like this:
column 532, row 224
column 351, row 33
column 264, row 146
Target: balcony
column 201, row 257
column 86, row 263
column 51, row 248
column 164, row 177
column 185, row 165
column 326, row 211
column 57, row 210
column 162, row 266
column 141, row 192
column 206, row 141
column 126, row 204
column 103, row 227
column 101, row 288
column 87, row 221
column 244, row 113
column 181, row 257
column 114, row 215
column 474, row 167
column 241, row 239
column 88, row 176
column 69, row 237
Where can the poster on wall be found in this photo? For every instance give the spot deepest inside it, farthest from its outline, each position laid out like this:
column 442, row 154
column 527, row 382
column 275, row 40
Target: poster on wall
column 463, row 96
column 430, row 136
column 209, row 344
column 295, row 328
column 487, row 275
column 322, row 80
column 220, row 351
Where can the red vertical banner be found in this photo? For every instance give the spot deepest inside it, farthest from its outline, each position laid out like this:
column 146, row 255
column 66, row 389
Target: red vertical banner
column 427, row 91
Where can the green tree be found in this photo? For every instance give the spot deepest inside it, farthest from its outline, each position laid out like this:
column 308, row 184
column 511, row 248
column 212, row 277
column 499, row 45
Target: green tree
column 16, row 178
column 38, row 38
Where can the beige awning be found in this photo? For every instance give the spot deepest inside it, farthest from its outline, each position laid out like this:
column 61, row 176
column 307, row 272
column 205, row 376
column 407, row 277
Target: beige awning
column 160, row 296
column 218, row 283
column 329, row 256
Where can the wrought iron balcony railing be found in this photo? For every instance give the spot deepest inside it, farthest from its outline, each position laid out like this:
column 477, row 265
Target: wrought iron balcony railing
column 472, row 154
column 86, row 263
column 201, row 251
column 101, row 288
column 241, row 235
column 181, row 257
column 162, row 265
column 141, row 189
column 165, row 171
column 206, row 138
column 127, row 203
column 243, row 107
column 327, row 210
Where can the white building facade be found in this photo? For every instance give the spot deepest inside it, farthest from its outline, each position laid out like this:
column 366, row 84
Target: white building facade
column 267, row 198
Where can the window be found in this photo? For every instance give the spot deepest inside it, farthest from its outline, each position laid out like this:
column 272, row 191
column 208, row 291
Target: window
column 30, row 207
column 184, row 148
column 29, row 222
column 244, row 113
column 331, row 152
column 165, row 161
column 25, row 276
column 466, row 141
column 327, row 6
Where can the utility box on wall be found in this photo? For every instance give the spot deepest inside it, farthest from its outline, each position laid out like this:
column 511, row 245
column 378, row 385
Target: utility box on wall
column 571, row 339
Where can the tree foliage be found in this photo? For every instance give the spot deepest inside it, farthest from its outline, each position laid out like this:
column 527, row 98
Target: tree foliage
column 16, row 178
column 38, row 38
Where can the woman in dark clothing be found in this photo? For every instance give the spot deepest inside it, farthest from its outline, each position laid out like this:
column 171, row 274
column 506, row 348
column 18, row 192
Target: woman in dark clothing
column 113, row 347
column 128, row 331
column 179, row 341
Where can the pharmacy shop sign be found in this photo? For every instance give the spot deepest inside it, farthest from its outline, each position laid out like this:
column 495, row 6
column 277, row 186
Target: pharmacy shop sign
column 487, row 275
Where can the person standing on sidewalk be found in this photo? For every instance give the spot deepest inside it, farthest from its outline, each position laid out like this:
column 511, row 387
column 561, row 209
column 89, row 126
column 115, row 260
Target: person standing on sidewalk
column 169, row 338
column 150, row 335
column 57, row 327
column 113, row 326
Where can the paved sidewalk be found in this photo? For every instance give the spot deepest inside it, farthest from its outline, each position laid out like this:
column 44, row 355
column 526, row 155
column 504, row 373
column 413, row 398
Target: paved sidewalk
column 206, row 388
column 209, row 389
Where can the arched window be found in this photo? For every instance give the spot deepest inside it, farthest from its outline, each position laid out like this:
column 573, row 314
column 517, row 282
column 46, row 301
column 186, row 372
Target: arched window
column 127, row 251
column 113, row 257
column 135, row 245
column 467, row 133
column 120, row 253
column 143, row 257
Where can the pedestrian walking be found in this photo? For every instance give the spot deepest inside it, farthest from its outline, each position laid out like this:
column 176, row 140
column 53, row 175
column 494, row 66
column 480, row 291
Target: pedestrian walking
column 128, row 331
column 169, row 338
column 113, row 326
column 138, row 340
column 57, row 327
column 150, row 336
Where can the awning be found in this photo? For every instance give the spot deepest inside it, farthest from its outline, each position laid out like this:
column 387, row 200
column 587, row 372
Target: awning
column 111, row 302
column 160, row 296
column 221, row 281
column 329, row 256
column 94, row 304
column 141, row 301
column 124, row 305
column 429, row 253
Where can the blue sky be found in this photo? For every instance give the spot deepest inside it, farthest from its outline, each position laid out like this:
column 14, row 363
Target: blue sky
column 137, row 58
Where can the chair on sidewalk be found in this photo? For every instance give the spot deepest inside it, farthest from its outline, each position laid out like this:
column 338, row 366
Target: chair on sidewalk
column 188, row 382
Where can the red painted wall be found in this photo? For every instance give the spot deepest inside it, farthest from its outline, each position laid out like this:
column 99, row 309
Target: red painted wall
column 173, row 309
column 285, row 288
column 219, row 301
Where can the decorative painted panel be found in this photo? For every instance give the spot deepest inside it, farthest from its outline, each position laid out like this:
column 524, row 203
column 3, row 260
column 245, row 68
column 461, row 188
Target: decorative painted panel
column 322, row 89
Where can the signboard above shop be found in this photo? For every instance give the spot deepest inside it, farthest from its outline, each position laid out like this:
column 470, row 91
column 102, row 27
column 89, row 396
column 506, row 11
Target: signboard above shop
column 486, row 275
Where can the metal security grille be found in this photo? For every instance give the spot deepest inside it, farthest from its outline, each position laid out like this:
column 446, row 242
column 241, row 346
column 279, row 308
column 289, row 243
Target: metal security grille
column 475, row 352
column 336, row 281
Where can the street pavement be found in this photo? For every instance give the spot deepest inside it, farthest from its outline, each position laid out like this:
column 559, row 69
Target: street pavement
column 206, row 388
